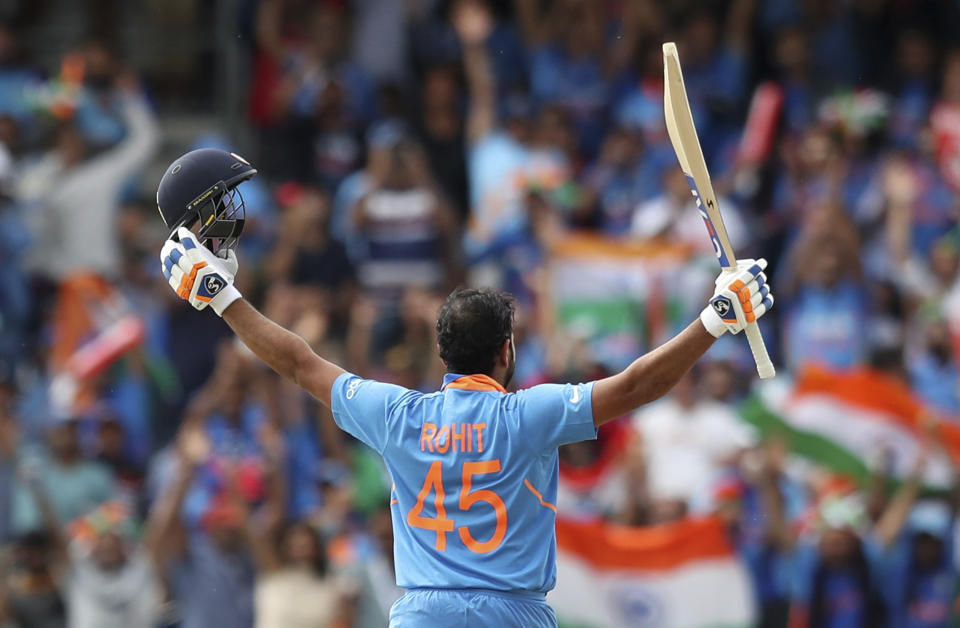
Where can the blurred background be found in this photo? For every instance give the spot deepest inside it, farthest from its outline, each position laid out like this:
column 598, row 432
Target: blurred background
column 153, row 473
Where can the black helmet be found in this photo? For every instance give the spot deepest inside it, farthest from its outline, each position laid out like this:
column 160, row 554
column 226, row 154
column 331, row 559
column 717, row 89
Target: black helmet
column 202, row 185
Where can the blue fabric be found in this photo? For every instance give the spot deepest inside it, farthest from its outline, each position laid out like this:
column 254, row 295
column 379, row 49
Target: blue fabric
column 213, row 588
column 99, row 118
column 825, row 326
column 493, row 163
column 73, row 492
column 342, row 225
column 129, row 398
column 578, row 85
column 453, row 608
column 419, row 434
column 16, row 299
column 302, row 454
column 15, row 87
column 233, row 446
column 918, row 599
column 846, row 603
column 935, row 382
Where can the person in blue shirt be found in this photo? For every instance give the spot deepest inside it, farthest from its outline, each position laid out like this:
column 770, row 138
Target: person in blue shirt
column 919, row 571
column 474, row 468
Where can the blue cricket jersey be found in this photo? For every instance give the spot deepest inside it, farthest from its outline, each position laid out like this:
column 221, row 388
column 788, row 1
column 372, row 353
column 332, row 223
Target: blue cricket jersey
column 475, row 475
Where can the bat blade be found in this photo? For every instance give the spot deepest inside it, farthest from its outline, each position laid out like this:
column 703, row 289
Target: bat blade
column 686, row 144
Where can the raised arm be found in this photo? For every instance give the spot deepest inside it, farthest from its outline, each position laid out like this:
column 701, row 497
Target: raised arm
column 742, row 296
column 51, row 523
column 262, row 528
column 203, row 279
column 165, row 536
column 895, row 515
column 473, row 24
column 284, row 351
column 650, row 376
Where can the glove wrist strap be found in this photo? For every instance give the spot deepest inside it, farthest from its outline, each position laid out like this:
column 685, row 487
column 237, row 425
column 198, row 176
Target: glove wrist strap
column 712, row 322
column 223, row 300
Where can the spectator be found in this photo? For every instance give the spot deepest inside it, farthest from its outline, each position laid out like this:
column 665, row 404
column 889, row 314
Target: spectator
column 99, row 113
column 838, row 582
column 108, row 579
column 32, row 595
column 823, row 319
column 308, row 92
column 623, row 177
column 373, row 573
column 292, row 566
column 686, row 439
column 502, row 161
column 408, row 228
column 74, row 485
column 932, row 365
column 673, row 216
column 920, row 574
column 309, row 255
column 79, row 250
column 209, row 569
column 567, row 65
column 68, row 241
column 441, row 130
column 16, row 76
column 112, row 453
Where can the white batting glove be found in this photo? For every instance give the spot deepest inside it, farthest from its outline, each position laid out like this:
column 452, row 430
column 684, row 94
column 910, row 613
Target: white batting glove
column 197, row 275
column 742, row 296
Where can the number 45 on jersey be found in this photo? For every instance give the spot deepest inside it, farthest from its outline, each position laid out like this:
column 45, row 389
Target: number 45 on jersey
column 469, row 498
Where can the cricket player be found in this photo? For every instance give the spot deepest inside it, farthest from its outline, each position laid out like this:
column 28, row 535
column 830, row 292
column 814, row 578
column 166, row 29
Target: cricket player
column 474, row 467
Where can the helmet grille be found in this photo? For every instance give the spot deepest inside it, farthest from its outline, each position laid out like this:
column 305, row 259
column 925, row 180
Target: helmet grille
column 222, row 219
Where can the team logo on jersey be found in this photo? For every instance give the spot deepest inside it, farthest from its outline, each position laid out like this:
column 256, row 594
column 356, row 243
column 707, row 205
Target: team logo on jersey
column 722, row 306
column 575, row 397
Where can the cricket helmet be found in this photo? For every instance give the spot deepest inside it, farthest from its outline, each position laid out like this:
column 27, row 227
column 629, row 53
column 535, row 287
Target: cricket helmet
column 201, row 186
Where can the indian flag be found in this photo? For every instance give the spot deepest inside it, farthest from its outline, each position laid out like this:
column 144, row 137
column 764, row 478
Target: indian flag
column 622, row 296
column 844, row 421
column 678, row 575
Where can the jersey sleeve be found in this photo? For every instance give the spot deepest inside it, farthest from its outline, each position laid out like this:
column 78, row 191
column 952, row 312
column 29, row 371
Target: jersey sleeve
column 361, row 407
column 551, row 415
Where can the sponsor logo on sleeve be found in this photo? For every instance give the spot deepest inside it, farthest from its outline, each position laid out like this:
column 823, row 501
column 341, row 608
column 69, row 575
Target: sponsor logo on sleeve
column 352, row 388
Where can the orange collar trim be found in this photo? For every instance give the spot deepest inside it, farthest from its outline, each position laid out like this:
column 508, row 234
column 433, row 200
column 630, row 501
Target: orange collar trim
column 475, row 382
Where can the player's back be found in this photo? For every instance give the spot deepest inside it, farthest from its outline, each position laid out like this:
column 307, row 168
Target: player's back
column 475, row 476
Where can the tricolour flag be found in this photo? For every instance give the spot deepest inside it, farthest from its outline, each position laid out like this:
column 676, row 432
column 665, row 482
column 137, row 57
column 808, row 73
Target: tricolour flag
column 621, row 296
column 678, row 575
column 845, row 421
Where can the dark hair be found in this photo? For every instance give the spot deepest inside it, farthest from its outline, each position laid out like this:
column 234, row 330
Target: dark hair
column 320, row 565
column 860, row 570
column 472, row 327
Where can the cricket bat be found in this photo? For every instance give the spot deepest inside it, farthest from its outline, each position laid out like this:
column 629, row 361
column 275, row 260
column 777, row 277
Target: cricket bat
column 683, row 136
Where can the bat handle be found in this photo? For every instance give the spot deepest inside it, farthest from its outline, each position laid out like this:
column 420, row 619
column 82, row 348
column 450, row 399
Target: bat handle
column 764, row 365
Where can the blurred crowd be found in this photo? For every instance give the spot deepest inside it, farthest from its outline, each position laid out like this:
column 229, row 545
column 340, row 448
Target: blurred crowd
column 154, row 473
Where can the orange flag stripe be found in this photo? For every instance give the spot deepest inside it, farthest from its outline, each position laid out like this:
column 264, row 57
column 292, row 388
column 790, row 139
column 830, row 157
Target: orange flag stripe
column 663, row 547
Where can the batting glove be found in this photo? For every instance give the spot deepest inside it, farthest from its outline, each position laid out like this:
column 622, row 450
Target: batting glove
column 742, row 296
column 197, row 275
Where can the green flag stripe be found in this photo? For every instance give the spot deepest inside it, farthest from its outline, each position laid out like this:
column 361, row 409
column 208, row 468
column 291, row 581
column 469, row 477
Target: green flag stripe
column 806, row 444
